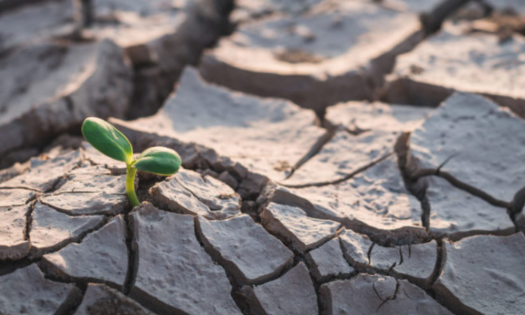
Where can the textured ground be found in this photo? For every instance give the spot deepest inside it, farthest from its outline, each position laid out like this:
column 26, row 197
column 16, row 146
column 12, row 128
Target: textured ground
column 338, row 158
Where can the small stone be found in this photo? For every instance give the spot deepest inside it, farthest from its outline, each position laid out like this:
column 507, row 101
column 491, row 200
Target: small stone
column 101, row 256
column 26, row 291
column 375, row 294
column 209, row 173
column 244, row 248
column 238, row 170
column 229, row 180
column 15, row 197
column 190, row 193
column 101, row 300
column 51, row 229
column 175, row 274
column 252, row 185
column 327, row 262
column 344, row 155
column 483, row 275
column 44, row 176
column 291, row 294
column 293, row 226
column 87, row 203
column 13, row 244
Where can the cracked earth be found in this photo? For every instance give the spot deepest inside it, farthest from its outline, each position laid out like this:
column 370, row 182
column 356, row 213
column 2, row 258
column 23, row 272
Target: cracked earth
column 339, row 157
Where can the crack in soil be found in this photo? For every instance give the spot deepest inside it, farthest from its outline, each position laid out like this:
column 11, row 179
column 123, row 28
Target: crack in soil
column 343, row 179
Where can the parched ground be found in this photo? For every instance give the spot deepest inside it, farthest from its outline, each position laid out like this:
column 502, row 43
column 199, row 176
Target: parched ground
column 339, row 157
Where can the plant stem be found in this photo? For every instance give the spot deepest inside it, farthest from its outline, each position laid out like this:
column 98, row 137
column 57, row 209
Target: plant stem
column 130, row 186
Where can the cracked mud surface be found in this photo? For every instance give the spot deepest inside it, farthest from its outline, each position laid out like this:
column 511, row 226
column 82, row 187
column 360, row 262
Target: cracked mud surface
column 282, row 206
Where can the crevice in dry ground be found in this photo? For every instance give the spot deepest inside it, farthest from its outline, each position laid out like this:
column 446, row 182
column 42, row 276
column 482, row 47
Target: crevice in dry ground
column 29, row 220
column 440, row 262
column 79, row 284
column 9, row 266
column 416, row 184
column 316, row 148
column 236, row 294
column 461, row 185
column 343, row 179
column 133, row 255
column 432, row 22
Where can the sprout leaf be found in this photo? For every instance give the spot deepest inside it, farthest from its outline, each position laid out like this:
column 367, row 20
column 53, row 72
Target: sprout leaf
column 158, row 160
column 107, row 139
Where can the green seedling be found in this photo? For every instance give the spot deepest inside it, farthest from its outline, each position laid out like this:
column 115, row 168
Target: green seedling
column 111, row 142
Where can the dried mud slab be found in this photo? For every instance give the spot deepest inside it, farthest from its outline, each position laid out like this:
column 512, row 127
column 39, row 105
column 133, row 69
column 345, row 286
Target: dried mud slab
column 56, row 86
column 514, row 6
column 30, row 23
column 327, row 262
column 303, row 59
column 268, row 136
column 374, row 294
column 44, row 175
column 415, row 262
column 102, row 300
column 358, row 116
column 114, row 167
column 487, row 163
column 87, row 203
column 89, row 191
column 13, row 244
column 51, row 229
column 87, row 169
column 159, row 37
column 291, row 294
column 26, row 291
column 175, row 274
column 343, row 156
column 94, row 183
column 189, row 192
column 244, row 248
column 372, row 202
column 483, row 275
column 294, row 227
column 102, row 256
column 455, row 213
column 248, row 10
column 481, row 64
column 15, row 197
column 426, row 6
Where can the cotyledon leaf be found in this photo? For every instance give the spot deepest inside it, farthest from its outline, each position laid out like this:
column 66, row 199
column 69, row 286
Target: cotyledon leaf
column 158, row 160
column 107, row 139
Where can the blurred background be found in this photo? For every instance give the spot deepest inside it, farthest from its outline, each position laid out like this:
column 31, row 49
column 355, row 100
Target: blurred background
column 64, row 60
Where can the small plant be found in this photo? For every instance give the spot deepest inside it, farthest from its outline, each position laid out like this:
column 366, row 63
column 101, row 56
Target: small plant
column 111, row 142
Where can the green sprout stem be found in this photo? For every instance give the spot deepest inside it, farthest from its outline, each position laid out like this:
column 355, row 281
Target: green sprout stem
column 130, row 186
column 109, row 141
